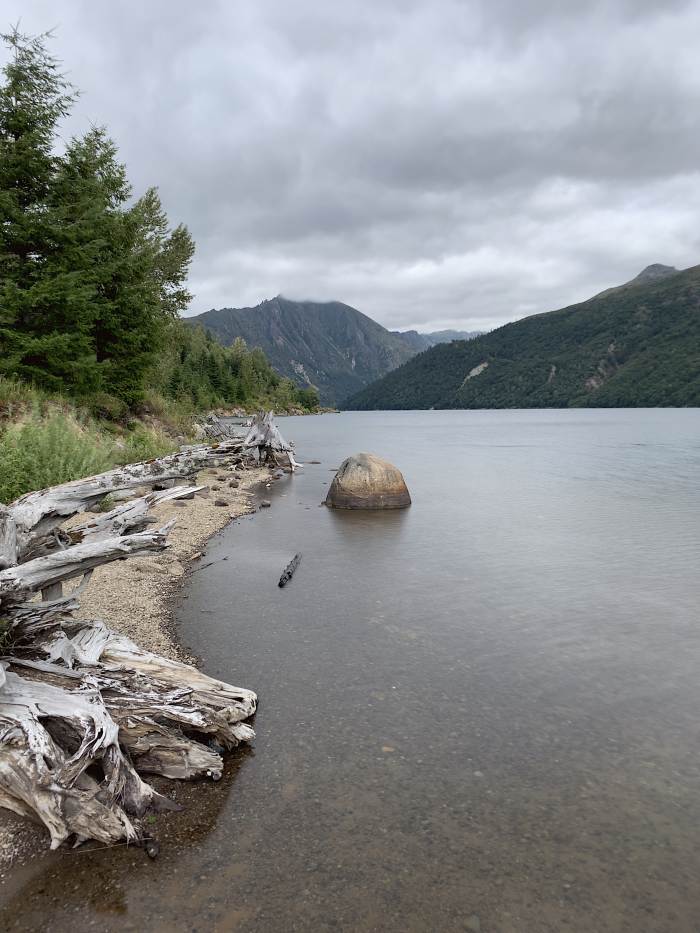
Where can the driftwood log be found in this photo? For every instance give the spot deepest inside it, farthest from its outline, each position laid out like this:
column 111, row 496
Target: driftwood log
column 288, row 572
column 214, row 428
column 83, row 710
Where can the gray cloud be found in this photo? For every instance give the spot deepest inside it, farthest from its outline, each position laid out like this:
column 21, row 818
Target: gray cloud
column 436, row 164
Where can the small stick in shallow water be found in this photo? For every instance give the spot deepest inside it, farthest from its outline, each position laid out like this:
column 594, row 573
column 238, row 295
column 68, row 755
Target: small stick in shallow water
column 289, row 570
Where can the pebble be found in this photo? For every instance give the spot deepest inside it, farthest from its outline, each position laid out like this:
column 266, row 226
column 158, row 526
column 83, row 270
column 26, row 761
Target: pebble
column 265, row 504
column 220, row 502
column 473, row 923
column 152, row 848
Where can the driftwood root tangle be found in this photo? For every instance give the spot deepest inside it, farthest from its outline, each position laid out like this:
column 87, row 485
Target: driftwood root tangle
column 83, row 710
column 264, row 435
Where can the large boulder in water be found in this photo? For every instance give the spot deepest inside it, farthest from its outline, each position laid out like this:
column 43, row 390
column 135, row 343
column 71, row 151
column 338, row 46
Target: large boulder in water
column 368, row 482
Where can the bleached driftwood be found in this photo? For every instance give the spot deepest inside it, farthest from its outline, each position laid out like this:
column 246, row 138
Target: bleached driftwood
column 152, row 699
column 83, row 709
column 128, row 518
column 265, row 436
column 37, row 514
column 213, row 427
column 8, row 538
column 43, row 572
column 38, row 775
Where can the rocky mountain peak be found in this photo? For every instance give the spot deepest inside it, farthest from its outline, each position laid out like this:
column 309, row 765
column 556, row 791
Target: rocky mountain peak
column 653, row 273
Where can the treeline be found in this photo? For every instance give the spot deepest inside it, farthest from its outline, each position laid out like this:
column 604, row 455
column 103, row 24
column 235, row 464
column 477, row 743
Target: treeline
column 196, row 369
column 93, row 280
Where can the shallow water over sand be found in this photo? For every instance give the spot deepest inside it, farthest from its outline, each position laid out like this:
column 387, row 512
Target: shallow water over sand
column 478, row 713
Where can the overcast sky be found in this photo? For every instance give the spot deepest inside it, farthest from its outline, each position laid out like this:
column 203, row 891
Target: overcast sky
column 443, row 163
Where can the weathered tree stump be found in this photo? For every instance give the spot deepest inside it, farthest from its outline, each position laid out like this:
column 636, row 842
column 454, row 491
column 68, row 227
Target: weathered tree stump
column 265, row 437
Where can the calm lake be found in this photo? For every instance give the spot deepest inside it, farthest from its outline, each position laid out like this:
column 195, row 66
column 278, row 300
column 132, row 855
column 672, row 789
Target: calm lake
column 482, row 713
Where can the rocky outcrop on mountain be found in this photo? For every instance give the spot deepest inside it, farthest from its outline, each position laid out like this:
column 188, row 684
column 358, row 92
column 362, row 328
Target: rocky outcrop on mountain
column 653, row 273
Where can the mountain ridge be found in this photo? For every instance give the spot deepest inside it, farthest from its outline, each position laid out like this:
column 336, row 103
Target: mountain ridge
column 423, row 341
column 327, row 344
column 637, row 345
column 648, row 276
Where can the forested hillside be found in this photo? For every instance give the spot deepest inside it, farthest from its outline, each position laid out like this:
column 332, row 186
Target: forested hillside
column 423, row 341
column 194, row 368
column 325, row 344
column 635, row 346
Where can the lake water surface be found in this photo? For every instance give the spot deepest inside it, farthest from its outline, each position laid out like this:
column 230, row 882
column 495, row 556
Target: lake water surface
column 479, row 713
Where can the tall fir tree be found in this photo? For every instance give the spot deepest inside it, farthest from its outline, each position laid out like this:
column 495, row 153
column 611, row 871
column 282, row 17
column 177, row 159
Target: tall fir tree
column 89, row 280
column 33, row 99
column 144, row 292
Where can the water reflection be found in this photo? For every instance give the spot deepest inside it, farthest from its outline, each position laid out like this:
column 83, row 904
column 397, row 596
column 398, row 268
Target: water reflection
column 94, row 885
column 355, row 527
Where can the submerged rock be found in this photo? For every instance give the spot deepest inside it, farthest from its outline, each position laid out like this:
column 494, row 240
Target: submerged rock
column 365, row 481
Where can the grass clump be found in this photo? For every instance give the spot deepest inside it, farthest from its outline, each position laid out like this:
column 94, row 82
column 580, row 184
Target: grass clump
column 47, row 450
column 44, row 452
column 17, row 398
column 45, row 440
column 144, row 443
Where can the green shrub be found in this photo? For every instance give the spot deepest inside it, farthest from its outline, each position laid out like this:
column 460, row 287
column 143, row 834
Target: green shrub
column 16, row 397
column 108, row 407
column 45, row 452
column 106, row 504
column 175, row 414
column 145, row 444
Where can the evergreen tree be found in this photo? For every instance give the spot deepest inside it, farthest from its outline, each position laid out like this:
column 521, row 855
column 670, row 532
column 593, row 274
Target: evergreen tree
column 89, row 280
column 33, row 99
column 144, row 292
